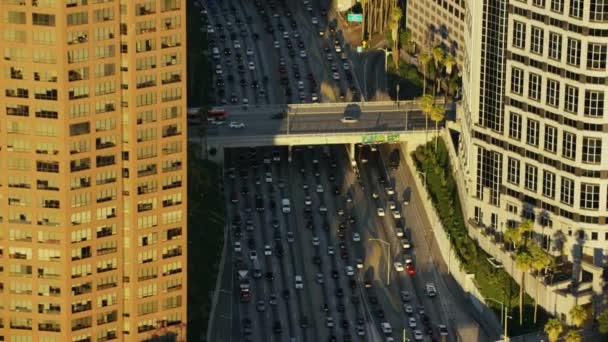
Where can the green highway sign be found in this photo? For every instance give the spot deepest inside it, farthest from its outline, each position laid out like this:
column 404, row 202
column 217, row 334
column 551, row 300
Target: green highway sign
column 379, row 138
column 392, row 137
column 354, row 18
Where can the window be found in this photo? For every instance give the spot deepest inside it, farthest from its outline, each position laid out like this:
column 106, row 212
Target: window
column 537, row 40
column 532, row 132
column 552, row 93
column 539, row 3
column 576, row 8
column 557, row 6
column 571, row 99
column 531, row 177
column 12, row 17
column 592, row 150
column 78, row 18
column 517, row 80
column 555, row 46
column 569, row 145
column 513, row 171
column 590, row 196
column 598, row 10
column 534, row 86
column 548, row 184
column 596, row 56
column 43, row 19
column 574, row 52
column 550, row 138
column 519, row 35
column 594, row 103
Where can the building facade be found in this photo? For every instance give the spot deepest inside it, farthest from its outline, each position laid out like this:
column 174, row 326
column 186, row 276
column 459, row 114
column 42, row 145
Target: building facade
column 437, row 22
column 534, row 139
column 93, row 160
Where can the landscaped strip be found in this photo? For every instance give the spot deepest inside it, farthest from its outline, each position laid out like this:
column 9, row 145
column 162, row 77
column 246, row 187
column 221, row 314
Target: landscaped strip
column 492, row 282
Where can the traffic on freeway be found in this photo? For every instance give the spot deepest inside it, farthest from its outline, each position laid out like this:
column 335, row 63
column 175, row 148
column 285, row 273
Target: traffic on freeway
column 308, row 251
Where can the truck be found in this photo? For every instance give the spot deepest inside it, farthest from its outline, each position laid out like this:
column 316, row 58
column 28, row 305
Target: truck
column 394, row 159
column 244, row 284
column 285, row 205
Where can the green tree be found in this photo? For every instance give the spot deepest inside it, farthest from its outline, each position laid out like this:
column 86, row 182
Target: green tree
column 395, row 21
column 448, row 62
column 603, row 322
column 437, row 114
column 438, row 57
column 427, row 102
column 553, row 328
column 573, row 336
column 405, row 39
column 578, row 315
column 523, row 260
column 540, row 261
column 425, row 58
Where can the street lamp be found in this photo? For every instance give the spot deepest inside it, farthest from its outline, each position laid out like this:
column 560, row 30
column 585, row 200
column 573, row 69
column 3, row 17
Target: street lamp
column 423, row 174
column 388, row 261
column 502, row 309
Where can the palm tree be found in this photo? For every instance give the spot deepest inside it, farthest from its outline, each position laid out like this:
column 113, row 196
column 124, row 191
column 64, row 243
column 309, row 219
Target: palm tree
column 519, row 234
column 405, row 39
column 553, row 328
column 523, row 259
column 540, row 261
column 448, row 62
column 427, row 102
column 602, row 319
column 437, row 114
column 573, row 336
column 438, row 56
column 396, row 16
column 425, row 58
column 578, row 315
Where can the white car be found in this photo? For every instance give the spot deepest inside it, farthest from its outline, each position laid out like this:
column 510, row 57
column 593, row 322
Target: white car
column 330, row 250
column 285, row 35
column 329, row 322
column 315, row 21
column 253, row 255
column 249, row 52
column 236, row 124
column 303, row 54
column 349, row 119
column 396, row 214
column 412, row 322
column 408, row 309
column 380, row 212
column 300, row 85
column 418, row 335
column 386, row 328
column 210, row 29
column 359, row 263
column 319, row 188
column 267, row 250
column 315, row 241
column 356, row 237
column 218, row 70
column 350, row 271
column 251, row 66
column 299, row 284
column 276, row 44
column 443, row 330
column 314, row 97
column 237, row 45
column 307, row 200
column 398, row 266
column 335, row 76
column 430, row 289
column 290, row 238
column 345, row 66
column 268, row 177
column 320, row 279
column 391, row 205
column 218, row 122
column 399, row 232
column 245, row 101
column 237, row 246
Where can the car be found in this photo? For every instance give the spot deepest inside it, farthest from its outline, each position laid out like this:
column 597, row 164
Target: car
column 396, row 214
column 329, row 322
column 335, row 76
column 285, row 35
column 380, row 212
column 405, row 296
column 359, row 263
column 330, row 250
column 272, row 299
column 356, row 237
column 315, row 241
column 319, row 188
column 276, row 44
column 360, row 330
column 267, row 250
column 349, row 270
column 412, row 322
column 418, row 335
column 420, row 310
column 251, row 66
column 349, row 119
column 317, row 260
column 299, row 284
column 339, row 293
column 391, row 205
column 236, row 44
column 315, row 21
column 277, row 327
column 303, row 54
column 334, row 274
column 398, row 266
column 411, row 270
column 405, row 243
column 408, row 309
column 290, row 237
column 260, row 306
column 443, row 330
column 320, row 279
column 237, row 246
column 236, row 124
column 407, row 258
column 304, row 322
column 386, row 328
column 430, row 289
column 253, row 255
column 375, row 194
column 269, row 276
column 249, row 52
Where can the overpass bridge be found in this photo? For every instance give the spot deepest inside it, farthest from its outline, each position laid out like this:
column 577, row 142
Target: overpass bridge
column 314, row 124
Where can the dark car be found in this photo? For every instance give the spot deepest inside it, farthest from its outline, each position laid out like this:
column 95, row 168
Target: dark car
column 316, row 260
column 304, row 322
column 277, row 327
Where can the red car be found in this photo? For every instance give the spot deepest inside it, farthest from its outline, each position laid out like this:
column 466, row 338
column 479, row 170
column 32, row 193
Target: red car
column 411, row 270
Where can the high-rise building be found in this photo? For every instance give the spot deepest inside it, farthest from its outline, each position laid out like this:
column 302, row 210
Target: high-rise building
column 437, row 23
column 534, row 141
column 93, row 159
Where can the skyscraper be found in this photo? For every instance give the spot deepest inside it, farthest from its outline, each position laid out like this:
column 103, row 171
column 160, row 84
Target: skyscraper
column 93, row 159
column 534, row 140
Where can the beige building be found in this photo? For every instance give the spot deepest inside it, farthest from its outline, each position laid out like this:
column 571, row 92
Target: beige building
column 534, row 122
column 93, row 161
column 437, row 22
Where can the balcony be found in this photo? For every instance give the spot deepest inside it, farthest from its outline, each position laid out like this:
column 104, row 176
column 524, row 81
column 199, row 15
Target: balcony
column 173, row 253
column 82, row 325
column 76, row 308
column 106, row 268
column 173, row 79
column 147, row 277
column 174, row 166
column 144, row 207
column 105, row 231
column 75, row 167
column 171, row 131
column 106, row 286
column 173, row 185
column 111, row 335
column 45, row 185
column 172, row 271
column 106, row 250
column 146, row 84
column 144, row 189
column 22, row 220
column 82, row 289
column 150, row 170
column 49, row 327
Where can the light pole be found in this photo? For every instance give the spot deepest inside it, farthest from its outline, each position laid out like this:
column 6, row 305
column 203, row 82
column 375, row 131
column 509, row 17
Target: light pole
column 502, row 309
column 388, row 260
column 404, row 334
column 365, row 77
column 423, row 174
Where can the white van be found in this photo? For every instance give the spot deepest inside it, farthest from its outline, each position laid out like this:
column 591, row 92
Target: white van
column 286, row 205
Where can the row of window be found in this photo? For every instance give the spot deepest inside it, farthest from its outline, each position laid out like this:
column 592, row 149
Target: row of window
column 596, row 52
column 593, row 101
column 591, row 146
column 598, row 9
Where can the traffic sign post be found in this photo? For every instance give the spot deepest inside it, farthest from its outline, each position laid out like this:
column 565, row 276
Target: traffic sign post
column 354, row 18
